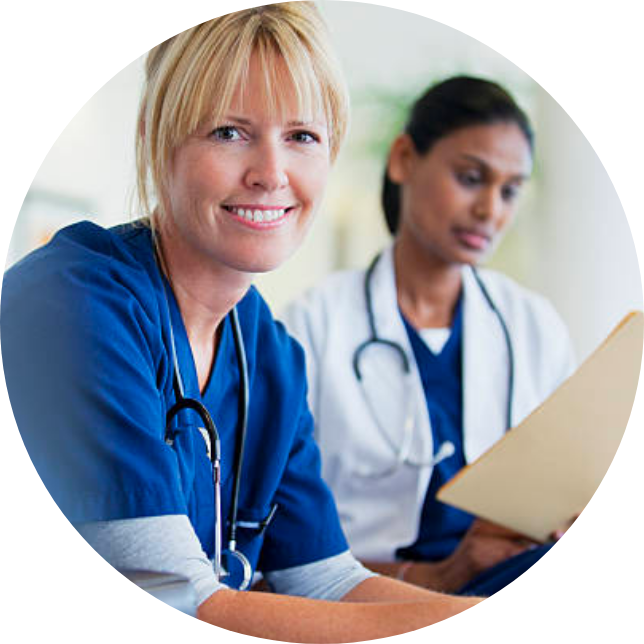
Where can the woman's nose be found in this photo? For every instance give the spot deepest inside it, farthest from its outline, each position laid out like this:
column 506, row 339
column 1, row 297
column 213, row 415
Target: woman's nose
column 488, row 205
column 267, row 169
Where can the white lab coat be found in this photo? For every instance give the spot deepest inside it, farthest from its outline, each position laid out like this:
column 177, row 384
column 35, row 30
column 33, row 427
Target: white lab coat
column 381, row 514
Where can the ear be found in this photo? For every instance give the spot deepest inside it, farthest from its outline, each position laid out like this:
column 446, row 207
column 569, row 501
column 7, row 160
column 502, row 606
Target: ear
column 401, row 158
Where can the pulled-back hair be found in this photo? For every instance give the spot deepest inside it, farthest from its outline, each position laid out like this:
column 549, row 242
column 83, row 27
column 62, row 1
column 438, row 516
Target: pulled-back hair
column 455, row 103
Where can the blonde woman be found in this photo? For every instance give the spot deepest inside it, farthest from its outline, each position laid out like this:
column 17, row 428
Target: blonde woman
column 163, row 407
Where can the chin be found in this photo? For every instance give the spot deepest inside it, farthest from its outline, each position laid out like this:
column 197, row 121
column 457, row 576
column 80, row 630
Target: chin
column 261, row 262
column 471, row 258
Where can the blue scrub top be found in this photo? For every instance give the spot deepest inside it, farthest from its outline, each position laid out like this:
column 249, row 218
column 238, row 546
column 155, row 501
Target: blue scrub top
column 88, row 362
column 441, row 526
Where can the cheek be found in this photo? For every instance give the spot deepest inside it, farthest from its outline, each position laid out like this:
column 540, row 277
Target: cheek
column 319, row 186
column 507, row 218
column 312, row 179
column 433, row 200
column 204, row 173
column 210, row 178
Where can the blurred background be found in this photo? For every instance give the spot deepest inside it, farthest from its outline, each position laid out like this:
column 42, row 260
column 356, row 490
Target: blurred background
column 571, row 240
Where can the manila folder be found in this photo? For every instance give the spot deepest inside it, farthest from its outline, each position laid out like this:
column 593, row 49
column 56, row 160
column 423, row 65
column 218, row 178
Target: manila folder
column 544, row 471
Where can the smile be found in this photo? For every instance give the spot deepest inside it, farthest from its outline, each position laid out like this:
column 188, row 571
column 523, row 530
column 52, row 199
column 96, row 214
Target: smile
column 259, row 215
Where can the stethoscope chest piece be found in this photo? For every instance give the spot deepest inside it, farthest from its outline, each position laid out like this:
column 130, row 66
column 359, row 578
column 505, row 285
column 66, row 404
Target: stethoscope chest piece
column 236, row 569
column 230, row 565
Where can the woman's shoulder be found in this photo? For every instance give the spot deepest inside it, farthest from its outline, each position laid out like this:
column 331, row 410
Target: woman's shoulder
column 334, row 292
column 520, row 302
column 263, row 333
column 338, row 283
column 83, row 273
column 270, row 349
column 83, row 250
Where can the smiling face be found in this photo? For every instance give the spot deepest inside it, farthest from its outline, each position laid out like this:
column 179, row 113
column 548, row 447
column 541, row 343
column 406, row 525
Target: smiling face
column 459, row 197
column 242, row 192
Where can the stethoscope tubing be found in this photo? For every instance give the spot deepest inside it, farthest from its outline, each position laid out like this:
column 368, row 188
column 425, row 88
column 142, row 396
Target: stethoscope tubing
column 373, row 333
column 375, row 339
column 244, row 399
column 214, row 450
column 508, row 344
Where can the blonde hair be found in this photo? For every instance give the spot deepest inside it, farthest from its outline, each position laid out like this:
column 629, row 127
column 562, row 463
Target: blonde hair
column 192, row 77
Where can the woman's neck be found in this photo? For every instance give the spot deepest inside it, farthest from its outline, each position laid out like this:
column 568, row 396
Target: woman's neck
column 205, row 293
column 427, row 289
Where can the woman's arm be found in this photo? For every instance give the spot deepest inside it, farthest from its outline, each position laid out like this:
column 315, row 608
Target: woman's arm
column 378, row 607
column 434, row 575
column 375, row 607
column 483, row 546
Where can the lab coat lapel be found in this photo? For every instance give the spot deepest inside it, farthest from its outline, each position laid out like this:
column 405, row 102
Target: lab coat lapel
column 389, row 325
column 485, row 370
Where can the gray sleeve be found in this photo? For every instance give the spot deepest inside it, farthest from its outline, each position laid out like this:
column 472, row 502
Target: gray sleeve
column 330, row 579
column 168, row 544
column 165, row 544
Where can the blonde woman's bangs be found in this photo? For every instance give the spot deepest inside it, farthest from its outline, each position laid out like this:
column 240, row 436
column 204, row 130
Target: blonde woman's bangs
column 228, row 75
column 193, row 78
column 205, row 87
column 288, row 75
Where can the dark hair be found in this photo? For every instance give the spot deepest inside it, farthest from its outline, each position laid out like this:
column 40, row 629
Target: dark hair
column 453, row 104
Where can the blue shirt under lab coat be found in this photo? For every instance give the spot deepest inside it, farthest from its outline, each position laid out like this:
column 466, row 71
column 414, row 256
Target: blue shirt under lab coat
column 87, row 356
column 441, row 526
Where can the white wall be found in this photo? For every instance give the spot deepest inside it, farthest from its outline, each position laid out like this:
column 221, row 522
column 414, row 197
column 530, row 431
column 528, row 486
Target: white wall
column 571, row 242
column 588, row 264
column 94, row 155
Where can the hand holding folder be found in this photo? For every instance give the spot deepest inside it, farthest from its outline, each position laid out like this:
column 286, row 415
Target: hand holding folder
column 545, row 470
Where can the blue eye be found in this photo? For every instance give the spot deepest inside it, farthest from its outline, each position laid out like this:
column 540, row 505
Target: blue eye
column 226, row 133
column 305, row 137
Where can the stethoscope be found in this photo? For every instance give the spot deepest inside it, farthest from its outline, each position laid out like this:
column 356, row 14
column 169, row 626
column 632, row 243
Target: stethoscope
column 230, row 555
column 403, row 450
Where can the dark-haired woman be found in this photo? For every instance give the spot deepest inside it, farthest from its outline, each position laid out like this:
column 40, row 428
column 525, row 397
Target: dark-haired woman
column 420, row 363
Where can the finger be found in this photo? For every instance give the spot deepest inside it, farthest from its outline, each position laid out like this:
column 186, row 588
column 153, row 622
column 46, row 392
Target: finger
column 495, row 530
column 557, row 534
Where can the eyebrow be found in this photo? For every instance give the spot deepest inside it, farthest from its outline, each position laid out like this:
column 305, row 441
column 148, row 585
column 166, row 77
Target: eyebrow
column 297, row 123
column 484, row 164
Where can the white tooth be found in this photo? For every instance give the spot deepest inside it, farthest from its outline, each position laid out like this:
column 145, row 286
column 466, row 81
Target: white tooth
column 239, row 212
column 248, row 215
column 259, row 217
column 280, row 213
column 273, row 214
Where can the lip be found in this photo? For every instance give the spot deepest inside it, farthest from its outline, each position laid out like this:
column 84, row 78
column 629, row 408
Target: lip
column 473, row 239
